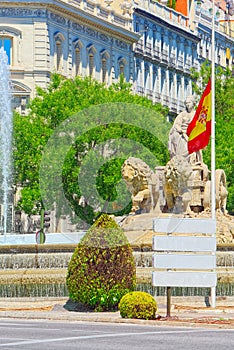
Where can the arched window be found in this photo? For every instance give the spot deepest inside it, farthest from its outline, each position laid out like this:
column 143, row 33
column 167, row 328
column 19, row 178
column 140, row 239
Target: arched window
column 91, row 62
column 59, row 52
column 6, row 43
column 77, row 57
column 122, row 63
column 77, row 61
column 10, row 39
column 104, row 65
column 104, row 70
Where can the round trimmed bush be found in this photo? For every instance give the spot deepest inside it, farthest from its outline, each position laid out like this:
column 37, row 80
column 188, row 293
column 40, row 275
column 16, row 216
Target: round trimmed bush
column 138, row 305
column 102, row 268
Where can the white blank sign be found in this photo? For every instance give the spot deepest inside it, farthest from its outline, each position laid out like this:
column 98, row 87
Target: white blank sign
column 184, row 261
column 184, row 225
column 184, row 243
column 184, row 279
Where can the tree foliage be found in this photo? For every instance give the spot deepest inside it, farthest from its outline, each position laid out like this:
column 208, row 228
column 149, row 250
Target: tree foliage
column 63, row 99
column 224, row 122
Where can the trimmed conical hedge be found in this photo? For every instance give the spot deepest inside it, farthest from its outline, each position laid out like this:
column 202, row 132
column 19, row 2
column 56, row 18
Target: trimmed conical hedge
column 102, row 268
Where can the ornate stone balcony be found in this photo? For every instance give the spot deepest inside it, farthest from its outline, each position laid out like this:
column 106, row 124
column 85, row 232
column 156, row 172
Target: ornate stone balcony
column 116, row 12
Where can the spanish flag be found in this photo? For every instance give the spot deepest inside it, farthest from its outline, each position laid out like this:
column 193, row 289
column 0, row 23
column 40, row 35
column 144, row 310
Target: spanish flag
column 199, row 129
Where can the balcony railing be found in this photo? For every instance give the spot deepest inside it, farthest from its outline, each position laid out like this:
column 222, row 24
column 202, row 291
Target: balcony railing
column 173, row 104
column 181, row 105
column 167, row 13
column 95, row 8
column 156, row 53
column 165, row 100
column 139, row 48
column 148, row 49
column 164, row 56
column 187, row 67
column 149, row 94
column 140, row 90
column 180, row 63
column 172, row 60
column 157, row 97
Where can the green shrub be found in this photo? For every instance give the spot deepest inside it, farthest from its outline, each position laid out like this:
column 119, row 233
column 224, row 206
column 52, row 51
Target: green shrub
column 138, row 305
column 102, row 268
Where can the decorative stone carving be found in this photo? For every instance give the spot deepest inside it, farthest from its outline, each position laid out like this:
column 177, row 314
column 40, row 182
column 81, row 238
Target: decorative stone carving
column 177, row 174
column 58, row 19
column 13, row 12
column 78, row 27
column 220, row 192
column 121, row 44
column 142, row 184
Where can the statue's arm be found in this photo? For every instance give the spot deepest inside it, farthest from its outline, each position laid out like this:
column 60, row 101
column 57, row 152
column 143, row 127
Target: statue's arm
column 178, row 123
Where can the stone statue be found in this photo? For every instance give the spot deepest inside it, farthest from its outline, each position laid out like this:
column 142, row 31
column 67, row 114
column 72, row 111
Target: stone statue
column 142, row 184
column 178, row 138
column 181, row 187
column 177, row 174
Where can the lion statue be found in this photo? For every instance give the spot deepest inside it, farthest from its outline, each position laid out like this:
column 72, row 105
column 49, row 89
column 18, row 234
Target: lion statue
column 177, row 194
column 142, row 184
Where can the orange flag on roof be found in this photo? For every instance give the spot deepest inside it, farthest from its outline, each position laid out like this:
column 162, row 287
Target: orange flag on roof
column 199, row 129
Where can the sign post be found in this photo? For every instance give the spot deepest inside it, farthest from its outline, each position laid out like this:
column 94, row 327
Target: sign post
column 185, row 254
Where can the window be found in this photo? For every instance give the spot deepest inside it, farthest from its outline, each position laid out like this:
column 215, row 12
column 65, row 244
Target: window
column 91, row 60
column 77, row 57
column 121, row 69
column 6, row 43
column 104, row 57
column 137, row 27
column 59, row 55
column 59, row 39
column 104, row 70
column 200, row 50
column 91, row 64
column 122, row 64
column 77, row 61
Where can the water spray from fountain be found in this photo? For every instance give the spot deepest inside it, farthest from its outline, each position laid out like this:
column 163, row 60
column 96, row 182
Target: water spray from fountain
column 5, row 140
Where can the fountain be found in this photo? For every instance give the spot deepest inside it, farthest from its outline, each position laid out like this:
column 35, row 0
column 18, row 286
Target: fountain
column 36, row 270
column 5, row 145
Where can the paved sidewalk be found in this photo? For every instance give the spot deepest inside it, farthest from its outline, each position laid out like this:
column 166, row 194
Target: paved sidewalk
column 185, row 311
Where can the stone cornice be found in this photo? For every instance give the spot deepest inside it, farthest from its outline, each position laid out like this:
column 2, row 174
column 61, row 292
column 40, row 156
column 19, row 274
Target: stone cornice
column 67, row 9
column 156, row 19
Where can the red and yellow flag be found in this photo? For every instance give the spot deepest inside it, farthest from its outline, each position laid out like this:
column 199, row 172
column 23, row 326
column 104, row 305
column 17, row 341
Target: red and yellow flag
column 199, row 129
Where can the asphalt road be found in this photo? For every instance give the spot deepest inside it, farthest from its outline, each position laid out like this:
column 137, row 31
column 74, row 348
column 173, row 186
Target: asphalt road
column 46, row 334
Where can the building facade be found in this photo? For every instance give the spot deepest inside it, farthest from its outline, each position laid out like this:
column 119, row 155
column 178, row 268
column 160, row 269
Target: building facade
column 164, row 55
column 69, row 37
column 154, row 46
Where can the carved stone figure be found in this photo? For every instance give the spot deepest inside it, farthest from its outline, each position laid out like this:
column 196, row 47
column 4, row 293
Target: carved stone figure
column 142, row 184
column 177, row 174
column 178, row 138
column 220, row 192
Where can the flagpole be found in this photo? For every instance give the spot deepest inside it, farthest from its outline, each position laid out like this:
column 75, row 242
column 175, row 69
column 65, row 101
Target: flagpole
column 213, row 177
column 213, row 195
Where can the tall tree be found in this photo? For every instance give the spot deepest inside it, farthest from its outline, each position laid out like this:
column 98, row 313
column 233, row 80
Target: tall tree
column 80, row 106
